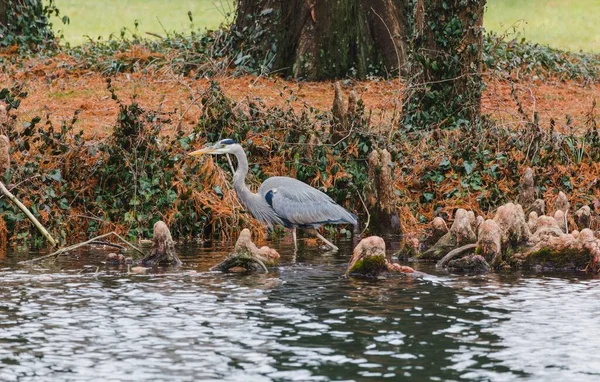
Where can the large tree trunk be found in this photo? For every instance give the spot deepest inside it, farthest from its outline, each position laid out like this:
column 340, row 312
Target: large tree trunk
column 444, row 86
column 325, row 39
column 3, row 13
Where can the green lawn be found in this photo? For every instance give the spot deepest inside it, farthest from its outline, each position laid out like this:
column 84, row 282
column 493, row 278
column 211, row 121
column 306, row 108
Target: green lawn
column 567, row 24
column 103, row 17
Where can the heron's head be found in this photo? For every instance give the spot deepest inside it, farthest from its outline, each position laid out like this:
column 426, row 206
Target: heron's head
column 224, row 146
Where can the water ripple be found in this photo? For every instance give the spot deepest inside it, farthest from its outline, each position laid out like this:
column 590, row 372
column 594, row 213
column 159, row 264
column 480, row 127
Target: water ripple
column 303, row 322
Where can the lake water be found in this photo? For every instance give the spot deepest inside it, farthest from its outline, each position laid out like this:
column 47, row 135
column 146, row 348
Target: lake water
column 301, row 322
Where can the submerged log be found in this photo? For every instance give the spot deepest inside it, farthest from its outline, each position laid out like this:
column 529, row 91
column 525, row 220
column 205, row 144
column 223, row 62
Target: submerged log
column 163, row 247
column 118, row 259
column 78, row 245
column 247, row 256
column 369, row 260
column 450, row 256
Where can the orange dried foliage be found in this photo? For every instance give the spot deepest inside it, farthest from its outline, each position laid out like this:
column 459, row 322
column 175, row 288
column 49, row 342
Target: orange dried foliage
column 57, row 87
column 83, row 89
column 9, row 50
column 137, row 53
column 44, row 216
column 3, row 235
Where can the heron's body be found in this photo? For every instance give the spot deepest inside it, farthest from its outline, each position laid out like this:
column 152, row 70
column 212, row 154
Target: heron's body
column 282, row 200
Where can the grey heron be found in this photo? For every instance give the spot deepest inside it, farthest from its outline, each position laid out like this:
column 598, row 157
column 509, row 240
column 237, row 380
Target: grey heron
column 282, row 200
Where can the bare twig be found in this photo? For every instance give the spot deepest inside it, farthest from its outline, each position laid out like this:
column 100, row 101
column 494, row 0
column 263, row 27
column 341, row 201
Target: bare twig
column 107, row 243
column 155, row 35
column 39, row 225
column 368, row 214
column 129, row 244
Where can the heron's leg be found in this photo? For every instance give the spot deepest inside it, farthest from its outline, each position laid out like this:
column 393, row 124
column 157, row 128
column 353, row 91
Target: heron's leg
column 294, row 236
column 327, row 242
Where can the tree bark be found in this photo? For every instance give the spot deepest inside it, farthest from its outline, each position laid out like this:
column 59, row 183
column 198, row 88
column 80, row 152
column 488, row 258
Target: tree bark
column 444, row 86
column 437, row 43
column 3, row 13
column 325, row 39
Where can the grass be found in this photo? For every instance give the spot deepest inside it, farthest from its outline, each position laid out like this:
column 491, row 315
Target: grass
column 571, row 25
column 105, row 17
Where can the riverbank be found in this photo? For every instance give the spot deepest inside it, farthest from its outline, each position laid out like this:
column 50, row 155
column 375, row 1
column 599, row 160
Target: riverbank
column 97, row 150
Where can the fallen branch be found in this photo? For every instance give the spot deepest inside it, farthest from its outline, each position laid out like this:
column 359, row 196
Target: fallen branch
column 39, row 225
column 78, row 245
column 107, row 243
column 452, row 254
column 4, row 167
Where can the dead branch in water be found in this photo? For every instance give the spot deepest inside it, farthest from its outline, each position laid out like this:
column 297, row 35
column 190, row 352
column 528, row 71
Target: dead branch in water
column 4, row 167
column 452, row 254
column 39, row 225
column 78, row 245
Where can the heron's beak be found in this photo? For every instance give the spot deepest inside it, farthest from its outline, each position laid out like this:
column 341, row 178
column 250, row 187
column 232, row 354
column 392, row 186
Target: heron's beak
column 204, row 151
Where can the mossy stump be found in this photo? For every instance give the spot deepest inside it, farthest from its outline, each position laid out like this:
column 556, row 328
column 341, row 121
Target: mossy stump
column 554, row 259
column 369, row 260
column 246, row 256
column 163, row 247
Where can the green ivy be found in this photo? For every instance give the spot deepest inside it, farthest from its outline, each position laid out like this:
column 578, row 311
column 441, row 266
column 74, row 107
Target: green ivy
column 445, row 85
column 28, row 25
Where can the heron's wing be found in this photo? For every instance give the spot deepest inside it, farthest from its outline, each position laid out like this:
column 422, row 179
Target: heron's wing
column 299, row 204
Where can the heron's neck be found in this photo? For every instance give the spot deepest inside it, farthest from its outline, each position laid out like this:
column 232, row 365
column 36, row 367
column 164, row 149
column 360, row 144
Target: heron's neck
column 239, row 177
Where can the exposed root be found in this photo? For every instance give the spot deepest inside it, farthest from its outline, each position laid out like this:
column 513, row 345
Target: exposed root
column 248, row 262
column 454, row 253
column 163, row 247
column 460, row 233
column 369, row 260
column 246, row 255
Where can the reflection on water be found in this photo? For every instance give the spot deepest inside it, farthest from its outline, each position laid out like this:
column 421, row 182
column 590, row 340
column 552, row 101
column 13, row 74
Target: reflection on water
column 302, row 322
